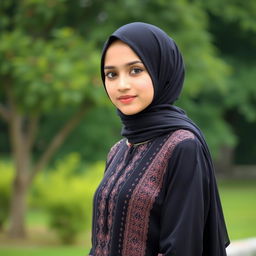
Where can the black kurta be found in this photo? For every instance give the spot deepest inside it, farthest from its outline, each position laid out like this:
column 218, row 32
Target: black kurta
column 155, row 198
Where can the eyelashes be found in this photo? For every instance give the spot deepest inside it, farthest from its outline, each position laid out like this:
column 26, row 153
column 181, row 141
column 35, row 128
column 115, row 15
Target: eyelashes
column 136, row 71
column 110, row 75
column 133, row 71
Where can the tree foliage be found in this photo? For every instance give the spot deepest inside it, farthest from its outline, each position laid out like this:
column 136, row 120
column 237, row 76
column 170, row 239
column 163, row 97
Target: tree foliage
column 43, row 67
column 234, row 28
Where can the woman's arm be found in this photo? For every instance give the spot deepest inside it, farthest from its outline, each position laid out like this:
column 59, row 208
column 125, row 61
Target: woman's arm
column 186, row 202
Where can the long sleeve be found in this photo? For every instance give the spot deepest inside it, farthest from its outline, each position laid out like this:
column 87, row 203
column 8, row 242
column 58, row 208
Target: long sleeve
column 90, row 253
column 186, row 202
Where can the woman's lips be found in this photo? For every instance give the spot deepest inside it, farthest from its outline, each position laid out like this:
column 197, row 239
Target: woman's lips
column 126, row 99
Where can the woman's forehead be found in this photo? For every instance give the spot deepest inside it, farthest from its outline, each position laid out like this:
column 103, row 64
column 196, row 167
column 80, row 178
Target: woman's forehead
column 119, row 52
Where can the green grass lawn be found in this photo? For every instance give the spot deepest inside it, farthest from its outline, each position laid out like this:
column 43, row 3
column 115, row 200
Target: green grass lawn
column 238, row 201
column 43, row 251
column 239, row 206
column 41, row 241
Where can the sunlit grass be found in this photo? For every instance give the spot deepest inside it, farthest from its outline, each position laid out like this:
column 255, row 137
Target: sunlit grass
column 42, row 241
column 43, row 251
column 239, row 206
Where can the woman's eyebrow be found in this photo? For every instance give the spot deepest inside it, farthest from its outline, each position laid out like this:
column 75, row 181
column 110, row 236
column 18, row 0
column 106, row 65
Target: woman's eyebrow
column 127, row 64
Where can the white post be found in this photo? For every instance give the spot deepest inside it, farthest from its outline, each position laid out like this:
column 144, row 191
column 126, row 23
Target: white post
column 246, row 247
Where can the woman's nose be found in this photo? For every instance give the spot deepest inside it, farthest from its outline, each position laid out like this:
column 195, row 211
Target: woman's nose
column 123, row 83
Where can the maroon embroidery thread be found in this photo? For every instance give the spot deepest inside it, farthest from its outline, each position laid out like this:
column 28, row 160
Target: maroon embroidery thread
column 104, row 239
column 144, row 195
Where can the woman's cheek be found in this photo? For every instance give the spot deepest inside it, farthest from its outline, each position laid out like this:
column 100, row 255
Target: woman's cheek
column 112, row 97
column 146, row 86
column 109, row 91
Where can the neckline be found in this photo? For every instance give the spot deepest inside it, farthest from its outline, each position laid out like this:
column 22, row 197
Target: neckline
column 136, row 144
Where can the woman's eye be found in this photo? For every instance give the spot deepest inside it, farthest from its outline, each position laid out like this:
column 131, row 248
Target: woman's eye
column 136, row 70
column 110, row 75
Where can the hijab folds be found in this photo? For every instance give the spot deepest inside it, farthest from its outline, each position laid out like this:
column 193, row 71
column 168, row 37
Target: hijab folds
column 163, row 61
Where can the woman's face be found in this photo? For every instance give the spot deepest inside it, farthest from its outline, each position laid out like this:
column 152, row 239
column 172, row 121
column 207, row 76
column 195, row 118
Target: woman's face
column 127, row 81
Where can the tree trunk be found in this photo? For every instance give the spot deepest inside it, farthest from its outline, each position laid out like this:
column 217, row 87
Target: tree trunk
column 21, row 156
column 22, row 134
column 18, row 208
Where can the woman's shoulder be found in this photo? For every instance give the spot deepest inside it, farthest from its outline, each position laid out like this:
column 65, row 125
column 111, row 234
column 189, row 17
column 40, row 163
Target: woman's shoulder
column 115, row 148
column 180, row 137
column 182, row 141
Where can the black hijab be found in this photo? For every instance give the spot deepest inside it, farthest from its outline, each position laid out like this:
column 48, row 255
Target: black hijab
column 164, row 63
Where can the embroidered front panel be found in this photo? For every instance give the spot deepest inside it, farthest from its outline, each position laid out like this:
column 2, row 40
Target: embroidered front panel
column 107, row 202
column 145, row 193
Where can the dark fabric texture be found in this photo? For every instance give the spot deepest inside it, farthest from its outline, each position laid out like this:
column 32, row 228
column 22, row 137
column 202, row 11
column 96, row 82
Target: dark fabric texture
column 163, row 60
column 155, row 198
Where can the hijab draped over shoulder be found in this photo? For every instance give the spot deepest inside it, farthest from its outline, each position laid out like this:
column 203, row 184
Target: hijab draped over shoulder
column 163, row 61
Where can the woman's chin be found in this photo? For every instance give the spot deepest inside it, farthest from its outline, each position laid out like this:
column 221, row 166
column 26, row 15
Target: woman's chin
column 128, row 112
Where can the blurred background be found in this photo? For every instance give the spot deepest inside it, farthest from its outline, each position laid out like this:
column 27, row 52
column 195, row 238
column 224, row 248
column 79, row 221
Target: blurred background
column 57, row 124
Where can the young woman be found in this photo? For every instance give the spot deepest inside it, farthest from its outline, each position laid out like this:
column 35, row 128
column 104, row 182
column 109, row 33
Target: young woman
column 158, row 195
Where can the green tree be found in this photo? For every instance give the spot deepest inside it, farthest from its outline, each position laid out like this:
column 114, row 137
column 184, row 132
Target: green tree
column 41, row 69
column 233, row 25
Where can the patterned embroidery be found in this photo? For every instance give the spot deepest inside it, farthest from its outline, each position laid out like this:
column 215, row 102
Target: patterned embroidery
column 108, row 201
column 138, row 200
column 144, row 195
column 102, row 236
